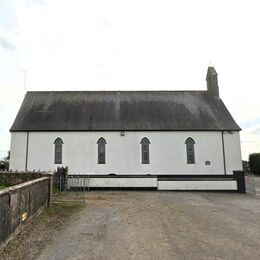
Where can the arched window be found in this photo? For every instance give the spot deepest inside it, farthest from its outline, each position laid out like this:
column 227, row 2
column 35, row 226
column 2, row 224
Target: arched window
column 101, row 150
column 145, row 151
column 190, row 150
column 58, row 151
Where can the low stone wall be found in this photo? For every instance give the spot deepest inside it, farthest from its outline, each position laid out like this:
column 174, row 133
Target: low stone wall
column 20, row 203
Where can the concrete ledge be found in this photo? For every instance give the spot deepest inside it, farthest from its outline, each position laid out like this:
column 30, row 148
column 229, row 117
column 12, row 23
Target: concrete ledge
column 223, row 182
column 112, row 182
column 198, row 185
column 19, row 186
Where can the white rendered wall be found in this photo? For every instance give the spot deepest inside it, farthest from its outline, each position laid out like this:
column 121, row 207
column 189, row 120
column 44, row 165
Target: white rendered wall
column 232, row 151
column 112, row 182
column 123, row 153
column 18, row 151
column 197, row 185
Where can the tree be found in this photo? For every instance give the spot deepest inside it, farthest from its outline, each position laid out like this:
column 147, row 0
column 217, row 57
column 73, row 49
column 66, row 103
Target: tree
column 254, row 163
column 4, row 164
column 245, row 166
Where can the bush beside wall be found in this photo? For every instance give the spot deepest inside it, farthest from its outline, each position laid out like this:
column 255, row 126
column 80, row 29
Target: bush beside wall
column 14, row 178
column 254, row 163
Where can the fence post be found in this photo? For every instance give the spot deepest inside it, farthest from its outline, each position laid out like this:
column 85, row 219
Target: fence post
column 66, row 178
column 254, row 189
column 240, row 178
column 50, row 188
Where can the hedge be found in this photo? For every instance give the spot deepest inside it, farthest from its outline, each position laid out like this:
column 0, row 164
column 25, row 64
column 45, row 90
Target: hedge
column 254, row 163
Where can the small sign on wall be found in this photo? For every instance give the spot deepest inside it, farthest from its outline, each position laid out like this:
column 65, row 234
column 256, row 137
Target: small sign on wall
column 13, row 199
column 207, row 162
column 24, row 216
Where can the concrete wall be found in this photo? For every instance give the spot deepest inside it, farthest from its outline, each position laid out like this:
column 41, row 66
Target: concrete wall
column 20, row 203
column 112, row 182
column 123, row 153
column 198, row 185
column 235, row 182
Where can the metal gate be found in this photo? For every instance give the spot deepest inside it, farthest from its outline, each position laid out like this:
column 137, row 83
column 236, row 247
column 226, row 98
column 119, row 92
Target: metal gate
column 60, row 179
column 78, row 183
column 64, row 182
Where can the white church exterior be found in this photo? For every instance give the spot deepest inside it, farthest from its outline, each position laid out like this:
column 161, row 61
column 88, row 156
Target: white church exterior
column 130, row 138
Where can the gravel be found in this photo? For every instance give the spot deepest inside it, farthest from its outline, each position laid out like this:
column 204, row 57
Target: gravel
column 161, row 225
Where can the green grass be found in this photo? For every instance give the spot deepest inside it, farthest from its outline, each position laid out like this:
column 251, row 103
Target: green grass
column 2, row 186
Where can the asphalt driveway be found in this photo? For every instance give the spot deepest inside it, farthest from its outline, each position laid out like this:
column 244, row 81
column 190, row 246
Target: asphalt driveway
column 161, row 225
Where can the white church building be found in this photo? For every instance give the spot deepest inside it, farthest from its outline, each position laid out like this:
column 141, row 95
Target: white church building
column 161, row 139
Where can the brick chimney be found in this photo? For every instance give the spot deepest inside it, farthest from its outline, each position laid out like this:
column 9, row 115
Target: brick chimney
column 212, row 82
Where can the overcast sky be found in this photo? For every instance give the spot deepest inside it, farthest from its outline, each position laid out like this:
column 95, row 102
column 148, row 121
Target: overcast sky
column 132, row 45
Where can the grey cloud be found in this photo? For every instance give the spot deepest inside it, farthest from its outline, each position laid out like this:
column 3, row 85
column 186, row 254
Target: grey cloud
column 6, row 44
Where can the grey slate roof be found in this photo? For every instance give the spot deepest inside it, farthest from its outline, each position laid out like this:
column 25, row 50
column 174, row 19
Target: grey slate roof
column 122, row 110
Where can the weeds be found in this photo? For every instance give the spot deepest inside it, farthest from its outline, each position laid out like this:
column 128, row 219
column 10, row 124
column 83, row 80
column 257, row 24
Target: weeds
column 32, row 239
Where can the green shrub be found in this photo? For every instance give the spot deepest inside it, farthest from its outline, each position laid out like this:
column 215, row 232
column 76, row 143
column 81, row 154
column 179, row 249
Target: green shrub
column 2, row 185
column 4, row 165
column 245, row 166
column 254, row 163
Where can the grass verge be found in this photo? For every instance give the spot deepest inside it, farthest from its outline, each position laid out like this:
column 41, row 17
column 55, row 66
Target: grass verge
column 2, row 186
column 36, row 234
